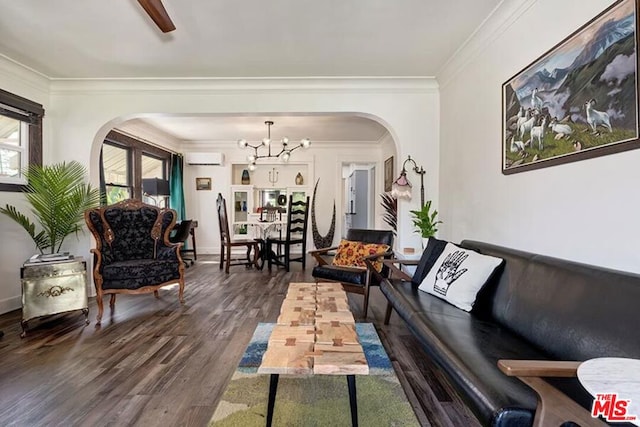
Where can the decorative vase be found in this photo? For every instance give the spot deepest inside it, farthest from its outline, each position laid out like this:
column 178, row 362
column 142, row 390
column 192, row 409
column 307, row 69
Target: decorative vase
column 299, row 179
column 245, row 177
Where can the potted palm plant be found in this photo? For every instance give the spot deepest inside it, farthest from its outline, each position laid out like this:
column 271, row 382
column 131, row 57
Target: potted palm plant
column 58, row 196
column 424, row 220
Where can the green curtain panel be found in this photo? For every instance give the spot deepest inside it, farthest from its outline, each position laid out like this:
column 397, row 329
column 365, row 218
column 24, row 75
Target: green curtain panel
column 176, row 199
column 103, row 185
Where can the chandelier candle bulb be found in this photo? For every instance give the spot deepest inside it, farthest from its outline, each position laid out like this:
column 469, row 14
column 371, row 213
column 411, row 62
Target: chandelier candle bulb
column 285, row 152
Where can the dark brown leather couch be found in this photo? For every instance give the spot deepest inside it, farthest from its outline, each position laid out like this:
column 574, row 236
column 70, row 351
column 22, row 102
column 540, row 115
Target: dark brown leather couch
column 534, row 307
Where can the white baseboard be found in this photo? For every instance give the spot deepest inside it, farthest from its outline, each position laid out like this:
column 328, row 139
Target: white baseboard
column 10, row 304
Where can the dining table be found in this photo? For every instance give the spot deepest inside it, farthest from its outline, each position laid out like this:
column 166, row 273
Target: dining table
column 262, row 229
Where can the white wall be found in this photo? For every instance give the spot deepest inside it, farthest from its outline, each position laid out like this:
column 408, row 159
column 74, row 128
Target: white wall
column 586, row 211
column 81, row 112
column 17, row 246
column 324, row 164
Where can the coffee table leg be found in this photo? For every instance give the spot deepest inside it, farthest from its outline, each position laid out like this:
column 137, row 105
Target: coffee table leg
column 351, row 381
column 273, row 388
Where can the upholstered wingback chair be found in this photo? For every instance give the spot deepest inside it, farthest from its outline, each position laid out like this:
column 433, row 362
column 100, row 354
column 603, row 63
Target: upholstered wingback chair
column 133, row 253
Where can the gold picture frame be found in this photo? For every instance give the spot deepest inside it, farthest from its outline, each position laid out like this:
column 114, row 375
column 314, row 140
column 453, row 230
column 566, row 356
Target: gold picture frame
column 388, row 174
column 203, row 184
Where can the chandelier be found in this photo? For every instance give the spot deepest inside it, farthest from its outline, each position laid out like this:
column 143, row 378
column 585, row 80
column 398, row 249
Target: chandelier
column 283, row 154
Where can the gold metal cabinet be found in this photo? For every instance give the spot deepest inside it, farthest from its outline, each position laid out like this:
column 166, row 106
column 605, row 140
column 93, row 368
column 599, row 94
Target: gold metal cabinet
column 52, row 288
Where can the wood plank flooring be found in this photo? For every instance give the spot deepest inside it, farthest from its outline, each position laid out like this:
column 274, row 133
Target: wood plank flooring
column 154, row 362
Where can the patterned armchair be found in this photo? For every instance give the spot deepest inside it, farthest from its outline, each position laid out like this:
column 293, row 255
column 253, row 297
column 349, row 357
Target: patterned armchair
column 133, row 253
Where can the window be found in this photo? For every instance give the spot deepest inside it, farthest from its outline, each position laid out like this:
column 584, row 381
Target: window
column 20, row 139
column 126, row 161
column 153, row 167
column 117, row 173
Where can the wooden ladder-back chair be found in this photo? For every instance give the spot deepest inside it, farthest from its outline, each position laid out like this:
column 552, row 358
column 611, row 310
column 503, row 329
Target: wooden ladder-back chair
column 297, row 220
column 226, row 243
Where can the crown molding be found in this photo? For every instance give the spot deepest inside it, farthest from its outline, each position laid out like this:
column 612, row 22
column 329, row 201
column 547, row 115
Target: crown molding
column 13, row 70
column 245, row 85
column 503, row 16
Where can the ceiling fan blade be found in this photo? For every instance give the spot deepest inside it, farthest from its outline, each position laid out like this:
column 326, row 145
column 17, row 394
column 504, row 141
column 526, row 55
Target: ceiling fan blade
column 158, row 13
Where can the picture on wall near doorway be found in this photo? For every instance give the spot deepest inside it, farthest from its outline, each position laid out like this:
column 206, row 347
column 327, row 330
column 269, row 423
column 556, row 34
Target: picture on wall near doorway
column 203, row 183
column 577, row 101
column 388, row 174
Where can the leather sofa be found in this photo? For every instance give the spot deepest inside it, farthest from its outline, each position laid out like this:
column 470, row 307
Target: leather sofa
column 533, row 307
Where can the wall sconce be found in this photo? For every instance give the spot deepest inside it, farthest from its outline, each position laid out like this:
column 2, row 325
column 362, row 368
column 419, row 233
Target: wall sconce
column 401, row 188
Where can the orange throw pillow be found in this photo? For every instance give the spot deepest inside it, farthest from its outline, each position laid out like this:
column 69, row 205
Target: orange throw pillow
column 373, row 249
column 347, row 254
column 351, row 254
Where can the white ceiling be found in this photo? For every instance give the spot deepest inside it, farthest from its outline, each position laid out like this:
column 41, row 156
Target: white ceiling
column 224, row 129
column 248, row 38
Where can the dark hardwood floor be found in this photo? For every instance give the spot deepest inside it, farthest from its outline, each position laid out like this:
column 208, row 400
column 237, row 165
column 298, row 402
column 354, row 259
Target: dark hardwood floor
column 154, row 362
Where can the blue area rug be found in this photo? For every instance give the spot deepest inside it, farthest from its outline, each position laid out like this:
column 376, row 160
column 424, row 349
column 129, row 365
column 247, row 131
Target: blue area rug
column 317, row 400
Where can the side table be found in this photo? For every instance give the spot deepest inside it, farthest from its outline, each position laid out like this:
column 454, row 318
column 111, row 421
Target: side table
column 415, row 256
column 614, row 382
column 53, row 287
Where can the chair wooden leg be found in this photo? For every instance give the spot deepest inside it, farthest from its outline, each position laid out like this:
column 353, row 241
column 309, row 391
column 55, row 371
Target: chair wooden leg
column 256, row 252
column 387, row 314
column 112, row 301
column 156, row 294
column 221, row 256
column 181, row 291
column 228, row 261
column 249, row 256
column 304, row 255
column 287, row 257
column 366, row 301
column 100, row 308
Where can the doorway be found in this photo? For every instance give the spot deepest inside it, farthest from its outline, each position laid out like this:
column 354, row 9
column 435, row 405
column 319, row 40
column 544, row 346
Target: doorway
column 358, row 196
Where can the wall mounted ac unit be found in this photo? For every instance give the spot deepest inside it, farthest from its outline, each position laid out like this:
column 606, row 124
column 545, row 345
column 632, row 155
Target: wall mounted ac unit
column 204, row 158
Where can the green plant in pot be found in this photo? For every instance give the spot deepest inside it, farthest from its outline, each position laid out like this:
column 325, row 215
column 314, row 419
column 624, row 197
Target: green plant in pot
column 58, row 196
column 425, row 221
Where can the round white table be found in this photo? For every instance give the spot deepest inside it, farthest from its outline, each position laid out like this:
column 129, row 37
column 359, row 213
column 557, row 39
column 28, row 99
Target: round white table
column 613, row 375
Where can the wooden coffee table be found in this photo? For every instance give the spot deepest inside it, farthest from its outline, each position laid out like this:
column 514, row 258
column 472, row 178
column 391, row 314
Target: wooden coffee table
column 315, row 335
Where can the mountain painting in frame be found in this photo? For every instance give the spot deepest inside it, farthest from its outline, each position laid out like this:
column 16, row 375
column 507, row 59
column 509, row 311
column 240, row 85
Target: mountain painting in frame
column 577, row 101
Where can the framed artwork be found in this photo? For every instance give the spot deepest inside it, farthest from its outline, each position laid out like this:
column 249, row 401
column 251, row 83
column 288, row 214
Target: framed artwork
column 577, row 101
column 203, row 183
column 388, row 174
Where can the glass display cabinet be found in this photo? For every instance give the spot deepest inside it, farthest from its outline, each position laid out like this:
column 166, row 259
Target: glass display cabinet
column 241, row 206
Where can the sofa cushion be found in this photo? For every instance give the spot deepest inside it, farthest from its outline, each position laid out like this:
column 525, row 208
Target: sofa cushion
column 458, row 275
column 351, row 275
column 570, row 310
column 347, row 253
column 352, row 254
column 429, row 257
column 134, row 274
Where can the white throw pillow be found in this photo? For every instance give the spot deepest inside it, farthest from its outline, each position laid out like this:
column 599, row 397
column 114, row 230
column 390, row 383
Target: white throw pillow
column 458, row 274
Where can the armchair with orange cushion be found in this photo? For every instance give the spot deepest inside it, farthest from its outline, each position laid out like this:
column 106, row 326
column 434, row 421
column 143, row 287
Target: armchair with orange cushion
column 349, row 265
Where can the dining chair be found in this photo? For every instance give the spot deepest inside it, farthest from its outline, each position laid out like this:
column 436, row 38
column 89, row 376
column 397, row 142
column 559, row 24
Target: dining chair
column 297, row 220
column 181, row 235
column 226, row 243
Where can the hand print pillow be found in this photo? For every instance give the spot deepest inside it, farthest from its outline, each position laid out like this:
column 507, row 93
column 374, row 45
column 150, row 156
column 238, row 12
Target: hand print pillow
column 458, row 274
